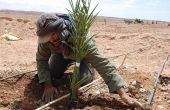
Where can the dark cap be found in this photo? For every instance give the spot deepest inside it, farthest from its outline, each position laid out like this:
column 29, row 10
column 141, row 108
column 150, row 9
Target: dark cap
column 47, row 24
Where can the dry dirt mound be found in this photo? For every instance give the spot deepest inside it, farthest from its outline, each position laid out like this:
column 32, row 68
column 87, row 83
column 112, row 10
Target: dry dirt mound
column 24, row 91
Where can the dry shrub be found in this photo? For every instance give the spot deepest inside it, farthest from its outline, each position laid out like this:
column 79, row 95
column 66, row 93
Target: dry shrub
column 6, row 18
column 138, row 21
column 127, row 21
column 23, row 20
column 169, row 24
column 26, row 21
column 19, row 20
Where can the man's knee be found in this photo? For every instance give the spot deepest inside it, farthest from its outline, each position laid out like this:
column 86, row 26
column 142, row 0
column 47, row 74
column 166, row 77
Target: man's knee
column 57, row 66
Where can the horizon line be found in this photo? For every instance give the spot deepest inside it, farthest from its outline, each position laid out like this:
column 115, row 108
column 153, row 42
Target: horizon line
column 27, row 11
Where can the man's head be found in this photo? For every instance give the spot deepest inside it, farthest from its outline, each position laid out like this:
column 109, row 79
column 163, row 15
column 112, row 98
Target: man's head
column 49, row 28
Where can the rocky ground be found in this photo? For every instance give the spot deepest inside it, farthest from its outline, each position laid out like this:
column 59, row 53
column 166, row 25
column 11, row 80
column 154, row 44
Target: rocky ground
column 148, row 45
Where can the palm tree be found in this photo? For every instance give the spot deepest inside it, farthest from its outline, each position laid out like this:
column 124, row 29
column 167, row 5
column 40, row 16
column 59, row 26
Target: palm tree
column 82, row 19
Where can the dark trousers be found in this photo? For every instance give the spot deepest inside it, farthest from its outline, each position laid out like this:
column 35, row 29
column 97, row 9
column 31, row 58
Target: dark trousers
column 58, row 65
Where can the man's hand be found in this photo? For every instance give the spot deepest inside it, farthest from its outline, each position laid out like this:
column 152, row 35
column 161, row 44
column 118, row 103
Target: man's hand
column 129, row 100
column 49, row 92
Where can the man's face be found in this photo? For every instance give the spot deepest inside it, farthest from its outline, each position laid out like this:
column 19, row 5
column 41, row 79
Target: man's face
column 54, row 39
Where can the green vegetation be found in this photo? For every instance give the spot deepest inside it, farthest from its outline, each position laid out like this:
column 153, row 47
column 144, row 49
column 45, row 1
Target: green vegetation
column 138, row 21
column 82, row 19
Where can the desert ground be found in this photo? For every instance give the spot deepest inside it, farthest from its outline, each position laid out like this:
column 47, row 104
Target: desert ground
column 147, row 46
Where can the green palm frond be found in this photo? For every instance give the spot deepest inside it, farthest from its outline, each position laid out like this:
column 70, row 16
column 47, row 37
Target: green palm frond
column 82, row 19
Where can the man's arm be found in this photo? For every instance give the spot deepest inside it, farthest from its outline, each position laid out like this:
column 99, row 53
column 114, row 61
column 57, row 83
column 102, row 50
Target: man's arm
column 105, row 69
column 108, row 72
column 42, row 58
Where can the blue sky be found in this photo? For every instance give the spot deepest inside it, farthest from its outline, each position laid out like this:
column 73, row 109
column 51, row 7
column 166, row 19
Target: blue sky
column 142, row 9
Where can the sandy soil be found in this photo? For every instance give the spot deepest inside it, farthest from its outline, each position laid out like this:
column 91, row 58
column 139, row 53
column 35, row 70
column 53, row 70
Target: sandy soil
column 114, row 37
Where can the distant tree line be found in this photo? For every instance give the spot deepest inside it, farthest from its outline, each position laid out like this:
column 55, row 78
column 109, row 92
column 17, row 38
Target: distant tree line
column 136, row 21
column 139, row 21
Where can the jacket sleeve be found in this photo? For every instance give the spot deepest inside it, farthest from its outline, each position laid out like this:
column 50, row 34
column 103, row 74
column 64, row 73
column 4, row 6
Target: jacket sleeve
column 42, row 57
column 105, row 69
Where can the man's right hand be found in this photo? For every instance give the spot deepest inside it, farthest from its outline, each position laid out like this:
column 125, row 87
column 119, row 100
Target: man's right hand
column 49, row 92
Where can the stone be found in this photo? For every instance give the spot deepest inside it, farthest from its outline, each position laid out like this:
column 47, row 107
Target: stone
column 160, row 107
column 168, row 101
column 142, row 90
column 166, row 93
column 97, row 92
column 134, row 83
column 137, row 84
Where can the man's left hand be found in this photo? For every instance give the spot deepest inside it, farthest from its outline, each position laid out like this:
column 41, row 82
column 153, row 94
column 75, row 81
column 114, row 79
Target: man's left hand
column 129, row 100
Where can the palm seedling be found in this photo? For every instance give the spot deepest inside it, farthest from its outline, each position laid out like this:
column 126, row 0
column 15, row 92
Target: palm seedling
column 82, row 19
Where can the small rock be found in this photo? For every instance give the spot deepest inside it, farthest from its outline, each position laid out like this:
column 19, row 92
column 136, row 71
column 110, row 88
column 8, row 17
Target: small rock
column 97, row 92
column 168, row 101
column 142, row 90
column 5, row 103
column 134, row 83
column 165, row 93
column 137, row 96
column 137, row 84
column 160, row 107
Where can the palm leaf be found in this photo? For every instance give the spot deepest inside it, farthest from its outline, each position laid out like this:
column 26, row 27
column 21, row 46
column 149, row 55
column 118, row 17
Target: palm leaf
column 82, row 19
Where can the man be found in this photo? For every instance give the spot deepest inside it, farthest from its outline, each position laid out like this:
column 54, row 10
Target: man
column 53, row 57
